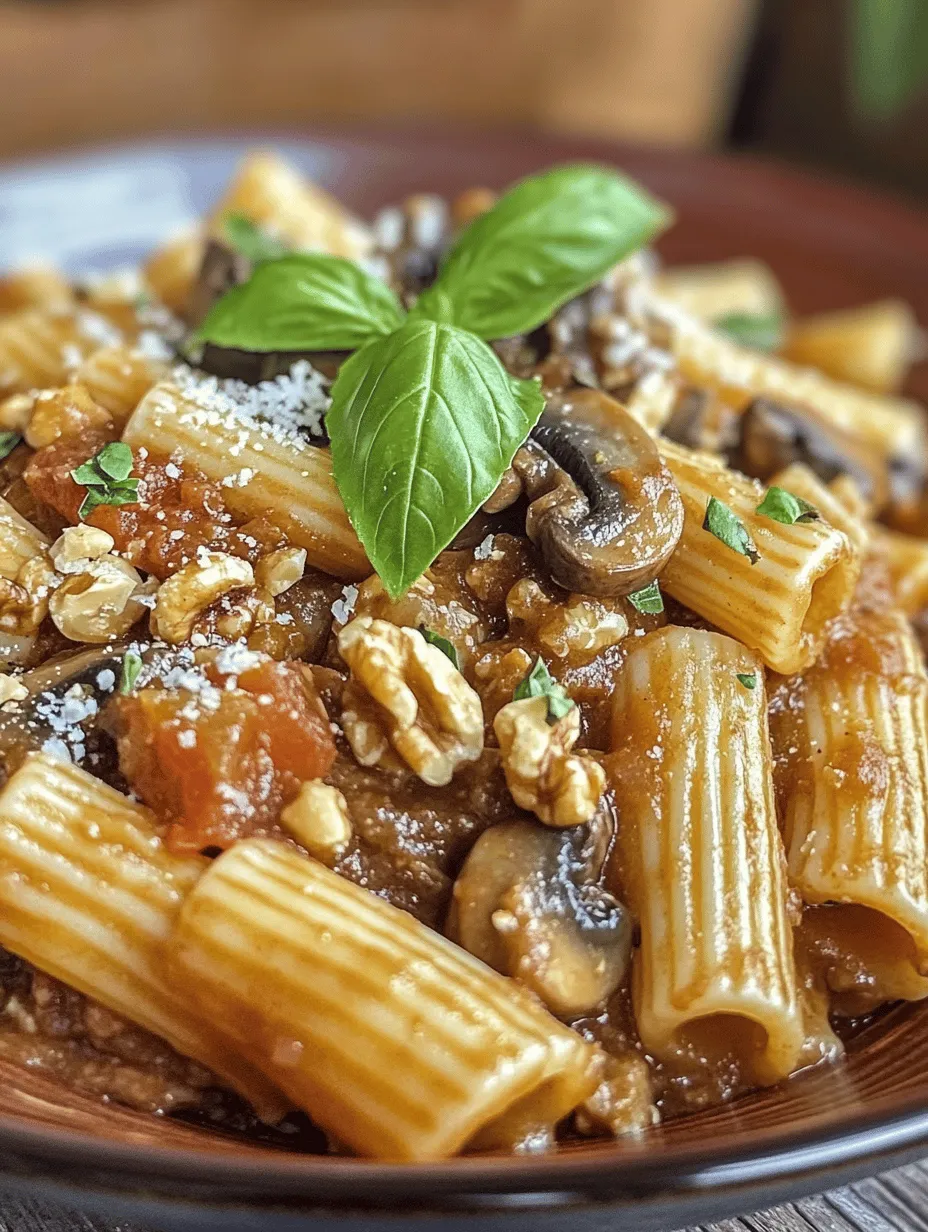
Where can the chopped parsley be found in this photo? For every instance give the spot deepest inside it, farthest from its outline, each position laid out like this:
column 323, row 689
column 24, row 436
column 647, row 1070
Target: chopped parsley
column 748, row 679
column 540, row 683
column 728, row 527
column 446, row 647
column 782, row 506
column 649, row 600
column 760, row 331
column 131, row 667
column 106, row 478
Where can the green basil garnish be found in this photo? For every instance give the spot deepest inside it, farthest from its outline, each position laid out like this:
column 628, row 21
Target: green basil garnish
column 540, row 683
column 422, row 425
column 308, row 301
column 728, row 527
column 8, row 442
column 748, row 679
column 106, row 478
column 649, row 600
column 131, row 667
column 782, row 506
column 446, row 647
column 759, row 331
column 252, row 241
column 424, row 420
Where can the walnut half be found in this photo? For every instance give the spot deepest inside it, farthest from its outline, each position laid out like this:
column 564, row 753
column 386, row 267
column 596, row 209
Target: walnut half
column 559, row 787
column 406, row 697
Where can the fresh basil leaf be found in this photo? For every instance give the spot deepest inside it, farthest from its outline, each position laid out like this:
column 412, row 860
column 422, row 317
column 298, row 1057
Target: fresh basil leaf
column 782, row 506
column 252, row 241
column 446, row 647
column 728, row 527
column 131, row 667
column 649, row 600
column 760, row 331
column 546, row 240
column 748, row 679
column 308, row 301
column 540, row 683
column 422, row 425
column 8, row 442
column 114, row 460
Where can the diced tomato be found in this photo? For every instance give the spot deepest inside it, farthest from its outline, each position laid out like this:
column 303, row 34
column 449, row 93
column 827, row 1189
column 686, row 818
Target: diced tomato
column 221, row 763
column 178, row 511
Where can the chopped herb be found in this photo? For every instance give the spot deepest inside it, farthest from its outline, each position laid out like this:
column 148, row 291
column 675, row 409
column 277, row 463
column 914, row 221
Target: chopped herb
column 649, row 600
column 252, row 241
column 748, row 679
column 540, row 683
column 727, row 526
column 131, row 666
column 8, row 442
column 106, row 478
column 782, row 506
column 760, row 331
column 446, row 647
column 142, row 302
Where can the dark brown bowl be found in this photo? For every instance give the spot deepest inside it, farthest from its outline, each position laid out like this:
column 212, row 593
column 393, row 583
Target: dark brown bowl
column 832, row 245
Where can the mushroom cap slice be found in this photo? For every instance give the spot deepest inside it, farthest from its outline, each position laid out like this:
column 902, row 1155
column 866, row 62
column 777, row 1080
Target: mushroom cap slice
column 604, row 512
column 773, row 436
column 526, row 903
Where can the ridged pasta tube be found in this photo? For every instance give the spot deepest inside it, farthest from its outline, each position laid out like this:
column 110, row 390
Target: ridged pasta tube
column 851, row 748
column 698, row 854
column 396, row 1041
column 893, row 427
column 804, row 483
column 34, row 345
column 288, row 480
column 906, row 558
column 780, row 606
column 89, row 894
column 118, row 377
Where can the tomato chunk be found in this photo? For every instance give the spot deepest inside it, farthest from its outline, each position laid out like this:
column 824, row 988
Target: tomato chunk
column 219, row 763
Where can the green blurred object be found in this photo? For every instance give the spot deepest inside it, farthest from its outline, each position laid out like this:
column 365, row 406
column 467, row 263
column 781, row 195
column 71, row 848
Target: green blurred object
column 889, row 55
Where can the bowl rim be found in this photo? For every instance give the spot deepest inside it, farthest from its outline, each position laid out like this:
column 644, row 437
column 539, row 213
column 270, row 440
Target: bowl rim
column 880, row 1135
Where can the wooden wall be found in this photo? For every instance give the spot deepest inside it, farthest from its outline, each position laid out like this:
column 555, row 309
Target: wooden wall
column 84, row 70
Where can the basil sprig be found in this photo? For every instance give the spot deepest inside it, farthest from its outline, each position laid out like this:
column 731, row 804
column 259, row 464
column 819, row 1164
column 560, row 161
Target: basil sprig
column 424, row 419
column 307, row 301
column 549, row 238
column 8, row 442
column 106, row 478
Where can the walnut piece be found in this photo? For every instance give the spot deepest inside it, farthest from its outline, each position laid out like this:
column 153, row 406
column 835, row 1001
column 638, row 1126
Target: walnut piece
column 560, row 788
column 318, row 818
column 24, row 600
column 192, row 589
column 578, row 628
column 405, row 696
column 99, row 601
column 279, row 570
column 11, row 689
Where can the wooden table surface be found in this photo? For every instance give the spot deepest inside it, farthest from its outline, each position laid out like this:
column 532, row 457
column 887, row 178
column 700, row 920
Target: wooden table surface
column 894, row 1202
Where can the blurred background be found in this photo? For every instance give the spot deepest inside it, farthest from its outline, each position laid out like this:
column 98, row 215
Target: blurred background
column 834, row 83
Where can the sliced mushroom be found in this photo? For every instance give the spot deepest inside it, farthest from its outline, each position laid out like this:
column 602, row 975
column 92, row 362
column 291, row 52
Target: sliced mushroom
column 774, row 436
column 604, row 510
column 65, row 696
column 527, row 903
column 221, row 269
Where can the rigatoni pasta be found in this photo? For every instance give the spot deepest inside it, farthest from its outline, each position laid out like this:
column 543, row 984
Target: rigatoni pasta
column 638, row 816
column 698, row 852
column 400, row 1044
column 288, row 480
column 779, row 604
column 89, row 894
column 851, row 749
